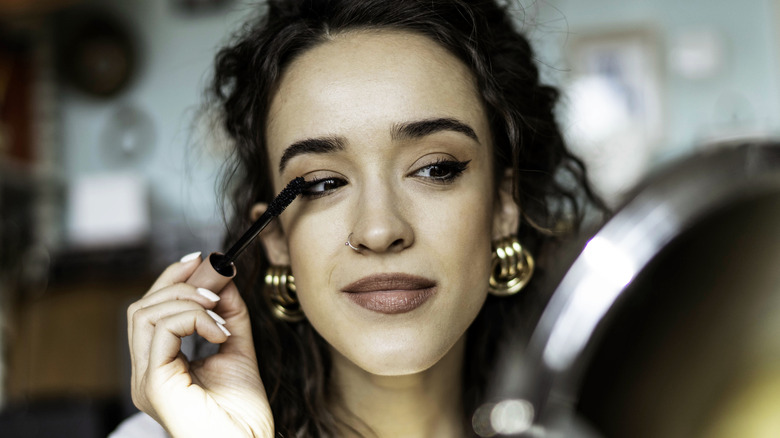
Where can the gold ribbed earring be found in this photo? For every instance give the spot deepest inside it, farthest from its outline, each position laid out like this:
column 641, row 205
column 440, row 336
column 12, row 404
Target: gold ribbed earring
column 280, row 294
column 512, row 267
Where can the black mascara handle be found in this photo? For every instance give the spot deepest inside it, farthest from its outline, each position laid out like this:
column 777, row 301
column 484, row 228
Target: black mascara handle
column 213, row 274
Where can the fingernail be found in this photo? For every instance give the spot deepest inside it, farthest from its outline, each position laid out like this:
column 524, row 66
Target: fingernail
column 215, row 317
column 211, row 296
column 224, row 329
column 190, row 257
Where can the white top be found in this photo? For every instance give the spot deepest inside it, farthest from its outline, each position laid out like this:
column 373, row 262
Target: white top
column 139, row 425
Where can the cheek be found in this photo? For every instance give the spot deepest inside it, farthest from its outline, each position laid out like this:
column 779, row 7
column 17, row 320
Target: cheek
column 314, row 245
column 461, row 236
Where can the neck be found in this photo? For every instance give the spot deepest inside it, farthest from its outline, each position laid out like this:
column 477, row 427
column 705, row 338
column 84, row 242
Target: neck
column 426, row 404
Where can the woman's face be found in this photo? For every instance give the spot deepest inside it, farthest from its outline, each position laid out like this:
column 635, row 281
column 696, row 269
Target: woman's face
column 392, row 126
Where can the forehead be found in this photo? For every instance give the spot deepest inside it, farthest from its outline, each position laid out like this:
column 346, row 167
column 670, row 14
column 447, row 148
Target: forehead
column 371, row 78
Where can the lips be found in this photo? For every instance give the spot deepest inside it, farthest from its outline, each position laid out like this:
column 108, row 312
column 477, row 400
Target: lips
column 390, row 293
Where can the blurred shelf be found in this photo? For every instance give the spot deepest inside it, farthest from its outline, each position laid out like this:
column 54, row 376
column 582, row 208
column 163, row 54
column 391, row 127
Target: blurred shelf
column 21, row 173
column 71, row 342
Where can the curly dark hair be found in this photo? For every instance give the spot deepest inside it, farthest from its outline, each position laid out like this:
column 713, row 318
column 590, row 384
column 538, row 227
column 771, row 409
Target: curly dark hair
column 549, row 183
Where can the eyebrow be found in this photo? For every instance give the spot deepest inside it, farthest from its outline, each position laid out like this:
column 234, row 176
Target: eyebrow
column 399, row 131
column 422, row 128
column 321, row 145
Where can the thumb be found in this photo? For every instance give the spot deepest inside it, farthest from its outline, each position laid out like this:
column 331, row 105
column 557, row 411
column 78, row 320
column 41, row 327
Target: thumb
column 233, row 309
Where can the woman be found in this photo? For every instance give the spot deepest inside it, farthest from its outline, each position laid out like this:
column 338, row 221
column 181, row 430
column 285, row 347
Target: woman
column 424, row 135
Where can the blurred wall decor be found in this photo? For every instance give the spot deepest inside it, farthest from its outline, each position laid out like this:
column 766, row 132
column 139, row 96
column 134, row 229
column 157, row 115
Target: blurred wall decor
column 97, row 53
column 716, row 65
column 200, row 6
column 615, row 104
column 696, row 53
column 25, row 8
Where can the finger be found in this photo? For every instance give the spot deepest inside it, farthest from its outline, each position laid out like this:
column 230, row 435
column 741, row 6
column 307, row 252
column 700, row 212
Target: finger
column 177, row 272
column 179, row 291
column 144, row 321
column 176, row 292
column 231, row 304
column 166, row 339
column 233, row 309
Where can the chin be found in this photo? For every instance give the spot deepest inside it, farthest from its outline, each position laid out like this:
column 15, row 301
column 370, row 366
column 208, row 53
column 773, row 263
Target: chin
column 400, row 357
column 405, row 345
column 398, row 365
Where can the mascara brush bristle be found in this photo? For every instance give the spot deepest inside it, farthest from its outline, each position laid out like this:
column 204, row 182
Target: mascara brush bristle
column 277, row 206
column 286, row 196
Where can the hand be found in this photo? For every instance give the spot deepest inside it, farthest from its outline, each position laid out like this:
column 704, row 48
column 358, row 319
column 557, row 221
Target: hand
column 221, row 395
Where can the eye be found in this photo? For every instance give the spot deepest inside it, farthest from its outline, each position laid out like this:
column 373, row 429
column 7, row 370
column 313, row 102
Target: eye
column 322, row 187
column 444, row 171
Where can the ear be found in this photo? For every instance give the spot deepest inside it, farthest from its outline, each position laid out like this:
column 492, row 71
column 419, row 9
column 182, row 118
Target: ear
column 272, row 238
column 506, row 216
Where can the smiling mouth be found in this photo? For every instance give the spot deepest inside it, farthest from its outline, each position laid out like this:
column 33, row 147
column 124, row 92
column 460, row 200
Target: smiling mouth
column 390, row 293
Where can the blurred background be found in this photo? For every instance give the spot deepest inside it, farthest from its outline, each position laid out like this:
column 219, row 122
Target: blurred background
column 108, row 164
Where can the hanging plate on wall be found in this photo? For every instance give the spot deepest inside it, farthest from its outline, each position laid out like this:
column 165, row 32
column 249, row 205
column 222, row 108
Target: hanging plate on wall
column 99, row 55
column 127, row 139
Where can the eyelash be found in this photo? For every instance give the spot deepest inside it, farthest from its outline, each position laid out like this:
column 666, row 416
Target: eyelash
column 453, row 170
column 307, row 193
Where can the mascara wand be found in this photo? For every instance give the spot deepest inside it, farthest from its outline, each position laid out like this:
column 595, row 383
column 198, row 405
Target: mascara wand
column 220, row 269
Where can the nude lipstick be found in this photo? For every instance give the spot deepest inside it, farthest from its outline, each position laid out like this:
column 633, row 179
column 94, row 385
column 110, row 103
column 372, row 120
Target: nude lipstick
column 390, row 293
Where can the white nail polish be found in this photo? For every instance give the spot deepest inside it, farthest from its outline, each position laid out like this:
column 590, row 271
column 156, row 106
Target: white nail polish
column 215, row 317
column 190, row 257
column 224, row 330
column 211, row 296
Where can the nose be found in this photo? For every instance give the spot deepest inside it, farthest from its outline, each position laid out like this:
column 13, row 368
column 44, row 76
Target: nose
column 381, row 224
